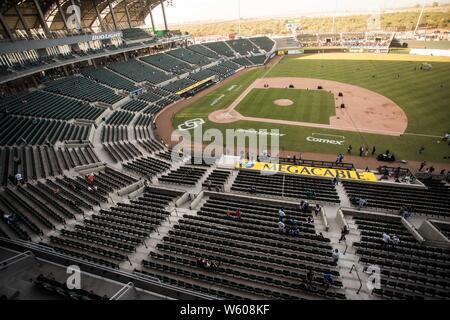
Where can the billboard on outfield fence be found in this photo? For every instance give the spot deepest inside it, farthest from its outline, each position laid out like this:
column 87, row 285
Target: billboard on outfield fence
column 308, row 171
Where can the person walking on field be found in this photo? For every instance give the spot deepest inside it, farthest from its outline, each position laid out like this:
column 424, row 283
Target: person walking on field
column 422, row 149
column 373, row 150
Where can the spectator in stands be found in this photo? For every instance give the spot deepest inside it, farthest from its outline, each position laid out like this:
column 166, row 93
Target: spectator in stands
column 72, row 186
column 395, row 240
column 304, row 207
column 442, row 172
column 238, row 213
column 317, row 209
column 328, row 279
column 310, row 220
column 362, row 203
column 344, row 232
column 90, row 179
column 336, row 255
column 228, row 212
column 252, row 189
column 309, row 278
column 311, row 194
column 386, row 238
column 281, row 227
column 208, row 185
column 422, row 165
column 334, row 182
column 282, row 214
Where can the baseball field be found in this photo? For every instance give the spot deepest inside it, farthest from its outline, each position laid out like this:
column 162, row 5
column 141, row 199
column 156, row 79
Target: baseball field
column 392, row 102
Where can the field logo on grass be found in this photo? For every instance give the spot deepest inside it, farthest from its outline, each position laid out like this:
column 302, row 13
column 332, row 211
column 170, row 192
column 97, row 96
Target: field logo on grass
column 205, row 147
column 191, row 124
column 74, row 280
column 319, row 138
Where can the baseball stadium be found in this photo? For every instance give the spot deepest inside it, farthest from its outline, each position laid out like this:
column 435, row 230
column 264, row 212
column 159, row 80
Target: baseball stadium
column 349, row 199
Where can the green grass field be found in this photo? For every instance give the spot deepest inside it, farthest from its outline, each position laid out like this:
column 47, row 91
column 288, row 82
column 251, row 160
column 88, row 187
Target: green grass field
column 308, row 105
column 423, row 95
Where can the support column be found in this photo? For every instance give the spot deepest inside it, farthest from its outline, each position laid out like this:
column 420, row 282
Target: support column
column 23, row 21
column 6, row 27
column 111, row 11
column 94, row 2
column 63, row 17
column 127, row 13
column 164, row 14
column 151, row 19
column 41, row 18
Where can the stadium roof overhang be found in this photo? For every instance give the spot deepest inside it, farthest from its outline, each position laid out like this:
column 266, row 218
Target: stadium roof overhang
column 55, row 15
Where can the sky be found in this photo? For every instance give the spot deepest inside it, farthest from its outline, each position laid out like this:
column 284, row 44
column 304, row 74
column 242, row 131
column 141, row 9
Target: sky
column 185, row 11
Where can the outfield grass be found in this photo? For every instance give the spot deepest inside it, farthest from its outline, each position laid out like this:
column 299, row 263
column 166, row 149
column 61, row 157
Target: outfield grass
column 418, row 93
column 308, row 105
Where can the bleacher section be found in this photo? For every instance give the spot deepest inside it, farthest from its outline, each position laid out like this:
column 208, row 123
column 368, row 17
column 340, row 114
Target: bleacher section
column 258, row 60
column 168, row 63
column 19, row 130
column 434, row 199
column 147, row 166
column 264, row 43
column 83, row 89
column 198, row 48
column 221, row 48
column 109, row 78
column 134, row 105
column 47, row 105
column 41, row 161
column 119, row 118
column 243, row 46
column 109, row 236
column 136, row 34
column 254, row 258
column 409, row 270
column 217, row 179
column 286, row 185
column 139, row 72
column 185, row 175
column 190, row 57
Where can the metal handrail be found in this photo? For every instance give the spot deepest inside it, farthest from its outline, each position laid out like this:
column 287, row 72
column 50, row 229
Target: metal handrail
column 359, row 278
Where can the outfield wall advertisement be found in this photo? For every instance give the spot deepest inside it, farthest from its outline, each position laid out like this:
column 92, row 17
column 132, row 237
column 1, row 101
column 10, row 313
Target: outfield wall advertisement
column 308, row 171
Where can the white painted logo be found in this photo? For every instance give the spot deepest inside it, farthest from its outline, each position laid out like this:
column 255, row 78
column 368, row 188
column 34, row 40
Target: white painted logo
column 107, row 36
column 260, row 132
column 323, row 140
column 191, row 124
column 217, row 100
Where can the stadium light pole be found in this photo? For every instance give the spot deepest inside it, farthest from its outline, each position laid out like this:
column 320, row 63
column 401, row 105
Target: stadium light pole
column 420, row 17
column 239, row 17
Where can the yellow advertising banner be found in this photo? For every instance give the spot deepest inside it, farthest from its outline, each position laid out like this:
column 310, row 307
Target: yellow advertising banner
column 308, row 171
column 195, row 85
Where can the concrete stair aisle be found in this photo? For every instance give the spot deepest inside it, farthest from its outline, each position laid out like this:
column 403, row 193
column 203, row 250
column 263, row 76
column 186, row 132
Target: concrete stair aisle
column 156, row 237
column 349, row 266
column 230, row 181
column 343, row 197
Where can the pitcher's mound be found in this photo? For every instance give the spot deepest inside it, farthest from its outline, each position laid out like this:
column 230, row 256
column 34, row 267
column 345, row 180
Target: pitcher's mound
column 284, row 102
